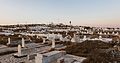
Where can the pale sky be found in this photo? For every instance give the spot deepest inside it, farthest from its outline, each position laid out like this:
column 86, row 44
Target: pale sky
column 80, row 12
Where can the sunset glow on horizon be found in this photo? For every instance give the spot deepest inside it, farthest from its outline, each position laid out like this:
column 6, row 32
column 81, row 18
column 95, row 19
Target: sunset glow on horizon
column 80, row 12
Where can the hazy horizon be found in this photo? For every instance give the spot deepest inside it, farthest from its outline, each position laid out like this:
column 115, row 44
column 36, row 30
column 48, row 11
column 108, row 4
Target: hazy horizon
column 105, row 13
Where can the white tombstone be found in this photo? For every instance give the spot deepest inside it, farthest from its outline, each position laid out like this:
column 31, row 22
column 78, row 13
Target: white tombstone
column 77, row 32
column 67, row 31
column 74, row 35
column 117, row 33
column 50, row 57
column 77, row 39
column 23, row 42
column 100, row 37
column 19, row 35
column 19, row 50
column 105, row 33
column 39, row 58
column 84, row 38
column 43, row 40
column 48, row 36
column 100, row 32
column 73, row 40
column 60, row 37
column 8, row 41
column 53, row 36
column 95, row 38
column 37, row 36
column 63, row 39
column 113, row 33
column 53, row 43
column 108, row 33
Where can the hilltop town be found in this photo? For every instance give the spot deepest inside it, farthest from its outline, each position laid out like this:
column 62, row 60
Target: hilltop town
column 58, row 43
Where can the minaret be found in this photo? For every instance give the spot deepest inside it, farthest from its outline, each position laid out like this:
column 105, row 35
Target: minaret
column 8, row 41
column 19, row 50
column 53, row 43
column 23, row 42
column 70, row 23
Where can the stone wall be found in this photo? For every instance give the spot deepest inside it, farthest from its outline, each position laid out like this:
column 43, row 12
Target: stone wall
column 49, row 57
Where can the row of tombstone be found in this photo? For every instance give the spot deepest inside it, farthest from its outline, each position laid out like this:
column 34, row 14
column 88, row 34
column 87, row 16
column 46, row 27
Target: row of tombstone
column 74, row 39
column 108, row 33
column 57, row 36
column 52, row 46
column 77, row 39
column 19, row 47
column 23, row 42
column 53, row 42
column 54, row 36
